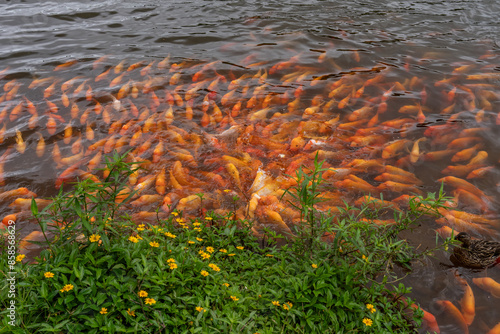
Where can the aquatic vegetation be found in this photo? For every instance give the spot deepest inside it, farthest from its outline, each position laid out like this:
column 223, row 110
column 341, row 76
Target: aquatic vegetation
column 337, row 278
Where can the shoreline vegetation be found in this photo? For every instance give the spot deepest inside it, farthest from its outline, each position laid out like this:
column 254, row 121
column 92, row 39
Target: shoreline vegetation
column 103, row 273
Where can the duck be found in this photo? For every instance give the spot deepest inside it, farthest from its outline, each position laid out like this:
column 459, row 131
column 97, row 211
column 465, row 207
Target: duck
column 475, row 253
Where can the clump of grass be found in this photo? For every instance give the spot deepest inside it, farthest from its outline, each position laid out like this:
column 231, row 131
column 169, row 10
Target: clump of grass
column 209, row 274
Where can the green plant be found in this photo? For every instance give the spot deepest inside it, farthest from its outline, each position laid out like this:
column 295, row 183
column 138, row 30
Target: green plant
column 209, row 274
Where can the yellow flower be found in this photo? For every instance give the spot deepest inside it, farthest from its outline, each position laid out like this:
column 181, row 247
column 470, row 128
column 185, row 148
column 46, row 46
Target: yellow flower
column 191, row 242
column 223, row 250
column 170, row 235
column 232, row 254
column 131, row 313
column 208, row 218
column 133, row 239
column 139, row 237
column 276, row 303
column 240, row 247
column 364, row 258
column 234, row 298
column 367, row 322
column 185, row 226
column 226, row 285
column 204, row 273
column 154, row 244
column 179, row 220
column 197, row 229
column 104, row 310
column 20, row 257
column 143, row 293
column 227, row 190
column 289, row 304
column 270, row 255
column 172, row 265
column 199, row 309
column 170, row 260
column 149, row 301
column 175, row 214
column 196, row 224
column 94, row 238
column 199, row 239
column 210, row 249
column 371, row 308
column 214, row 267
column 314, row 265
column 204, row 255
column 140, row 227
column 286, row 307
column 67, row 287
column 48, row 274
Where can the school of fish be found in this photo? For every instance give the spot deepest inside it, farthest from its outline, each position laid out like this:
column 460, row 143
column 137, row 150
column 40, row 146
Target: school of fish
column 238, row 134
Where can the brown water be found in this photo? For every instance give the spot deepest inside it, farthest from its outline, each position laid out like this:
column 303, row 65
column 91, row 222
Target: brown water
column 405, row 53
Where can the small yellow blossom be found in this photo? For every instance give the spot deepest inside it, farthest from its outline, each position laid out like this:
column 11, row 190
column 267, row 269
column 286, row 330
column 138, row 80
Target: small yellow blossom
column 210, row 249
column 179, row 220
column 94, row 238
column 289, row 304
column 197, row 229
column 199, row 239
column 175, row 214
column 196, row 224
column 185, row 226
column 314, row 265
column 131, row 312
column 204, row 256
column 364, row 258
column 140, row 227
column 172, row 266
column 139, row 237
column 240, row 247
column 371, row 308
column 226, row 285
column 133, row 239
column 20, row 257
column 223, row 250
column 154, row 244
column 143, row 293
column 67, row 287
column 234, row 298
column 48, row 274
column 208, row 218
column 104, row 310
column 286, row 307
column 227, row 190
column 214, row 267
column 367, row 322
column 149, row 301
column 276, row 303
column 170, row 235
column 170, row 260
column 232, row 254
column 270, row 255
column 191, row 242
column 199, row 309
column 204, row 273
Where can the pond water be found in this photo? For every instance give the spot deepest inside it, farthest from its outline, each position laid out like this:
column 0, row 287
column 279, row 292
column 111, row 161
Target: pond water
column 261, row 87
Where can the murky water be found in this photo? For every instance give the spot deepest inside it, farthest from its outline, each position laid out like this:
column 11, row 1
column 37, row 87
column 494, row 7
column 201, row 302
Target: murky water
column 429, row 62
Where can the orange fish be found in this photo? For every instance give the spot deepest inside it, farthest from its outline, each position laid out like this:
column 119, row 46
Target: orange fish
column 453, row 311
column 488, row 284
